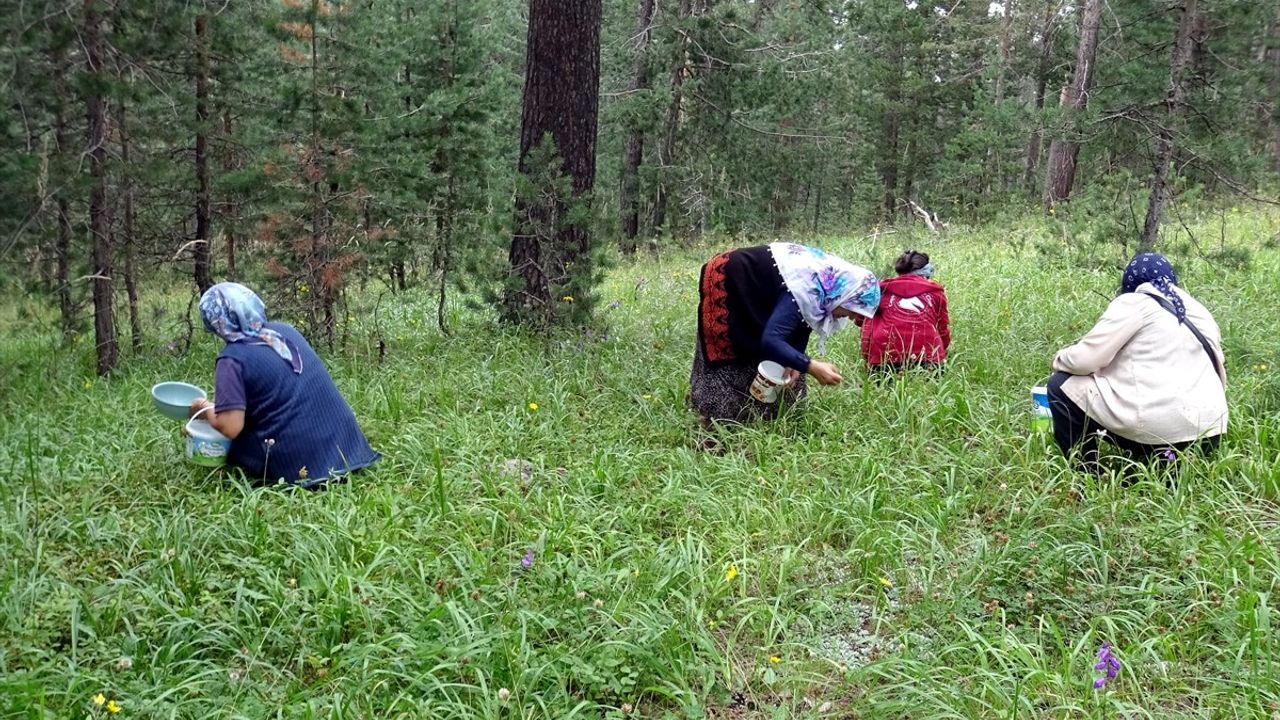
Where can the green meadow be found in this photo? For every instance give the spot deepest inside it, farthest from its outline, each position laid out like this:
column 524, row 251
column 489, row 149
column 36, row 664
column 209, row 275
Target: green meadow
column 893, row 548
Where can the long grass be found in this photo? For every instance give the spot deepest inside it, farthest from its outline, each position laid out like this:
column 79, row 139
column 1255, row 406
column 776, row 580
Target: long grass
column 893, row 548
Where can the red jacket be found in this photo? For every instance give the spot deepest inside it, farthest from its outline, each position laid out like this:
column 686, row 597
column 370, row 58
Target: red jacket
column 911, row 324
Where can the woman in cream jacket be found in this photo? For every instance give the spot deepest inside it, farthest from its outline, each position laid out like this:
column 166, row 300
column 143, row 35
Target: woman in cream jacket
column 1149, row 376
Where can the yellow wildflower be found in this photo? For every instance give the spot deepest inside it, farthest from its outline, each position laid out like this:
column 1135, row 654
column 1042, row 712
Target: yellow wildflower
column 113, row 707
column 635, row 573
column 711, row 623
column 88, row 384
column 567, row 298
column 647, row 396
column 886, row 582
column 99, row 699
column 731, row 573
column 774, row 659
column 533, row 406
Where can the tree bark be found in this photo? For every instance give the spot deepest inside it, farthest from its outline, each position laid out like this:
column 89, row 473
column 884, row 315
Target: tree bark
column 130, row 244
column 1060, row 175
column 62, row 247
column 1273, row 86
column 890, row 128
column 633, row 154
column 201, row 253
column 889, row 165
column 1036, row 143
column 561, row 100
column 1175, row 108
column 995, row 163
column 666, row 156
column 228, row 204
column 104, row 326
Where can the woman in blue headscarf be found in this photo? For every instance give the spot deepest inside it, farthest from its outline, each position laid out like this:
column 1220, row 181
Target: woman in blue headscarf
column 274, row 399
column 763, row 303
column 1149, row 376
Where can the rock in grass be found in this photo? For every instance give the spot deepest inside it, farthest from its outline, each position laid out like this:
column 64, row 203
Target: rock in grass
column 517, row 468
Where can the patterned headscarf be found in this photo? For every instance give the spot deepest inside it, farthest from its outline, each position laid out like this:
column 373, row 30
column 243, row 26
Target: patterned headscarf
column 234, row 313
column 820, row 283
column 1155, row 269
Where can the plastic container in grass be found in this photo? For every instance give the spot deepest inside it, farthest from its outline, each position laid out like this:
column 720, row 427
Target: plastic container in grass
column 173, row 399
column 204, row 445
column 1041, row 418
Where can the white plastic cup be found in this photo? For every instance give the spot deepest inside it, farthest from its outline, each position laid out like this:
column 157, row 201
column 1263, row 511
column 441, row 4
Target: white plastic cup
column 770, row 380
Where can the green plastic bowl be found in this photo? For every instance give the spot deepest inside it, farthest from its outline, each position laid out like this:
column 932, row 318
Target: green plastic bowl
column 173, row 399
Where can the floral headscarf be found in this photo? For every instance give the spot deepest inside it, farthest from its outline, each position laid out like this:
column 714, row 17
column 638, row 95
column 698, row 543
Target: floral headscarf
column 820, row 283
column 234, row 313
column 1155, row 269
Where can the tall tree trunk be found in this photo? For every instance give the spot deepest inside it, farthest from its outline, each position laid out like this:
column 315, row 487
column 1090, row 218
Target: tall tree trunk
column 130, row 244
column 228, row 204
column 104, row 326
column 818, row 182
column 561, row 99
column 889, row 166
column 672, row 125
column 1060, row 175
column 1036, row 143
column 62, row 247
column 633, row 154
column 995, row 160
column 203, row 276
column 890, row 127
column 1175, row 107
column 1273, row 86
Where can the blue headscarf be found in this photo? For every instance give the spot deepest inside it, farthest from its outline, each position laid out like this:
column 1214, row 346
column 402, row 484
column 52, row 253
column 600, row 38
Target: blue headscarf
column 1155, row 269
column 234, row 313
column 925, row 272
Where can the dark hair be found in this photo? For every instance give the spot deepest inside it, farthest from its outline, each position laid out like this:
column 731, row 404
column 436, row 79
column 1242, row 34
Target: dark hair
column 909, row 261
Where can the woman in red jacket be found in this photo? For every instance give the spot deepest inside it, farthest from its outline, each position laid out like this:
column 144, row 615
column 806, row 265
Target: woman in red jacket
column 911, row 326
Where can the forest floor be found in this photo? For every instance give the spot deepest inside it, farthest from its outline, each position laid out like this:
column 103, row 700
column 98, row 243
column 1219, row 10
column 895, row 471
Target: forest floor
column 899, row 548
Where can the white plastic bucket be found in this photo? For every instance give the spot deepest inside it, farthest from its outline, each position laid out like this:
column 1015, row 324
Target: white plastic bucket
column 770, row 380
column 204, row 445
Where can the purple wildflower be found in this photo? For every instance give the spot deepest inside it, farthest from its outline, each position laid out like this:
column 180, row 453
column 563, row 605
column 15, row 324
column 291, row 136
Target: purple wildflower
column 527, row 560
column 1169, row 455
column 1108, row 663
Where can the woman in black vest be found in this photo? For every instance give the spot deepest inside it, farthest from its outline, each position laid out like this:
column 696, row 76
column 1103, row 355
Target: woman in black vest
column 275, row 400
column 762, row 303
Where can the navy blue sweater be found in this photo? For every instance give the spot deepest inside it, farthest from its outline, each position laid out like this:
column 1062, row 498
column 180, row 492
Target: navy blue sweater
column 786, row 335
column 297, row 426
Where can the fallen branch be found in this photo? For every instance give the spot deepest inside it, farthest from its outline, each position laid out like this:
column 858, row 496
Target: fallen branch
column 930, row 219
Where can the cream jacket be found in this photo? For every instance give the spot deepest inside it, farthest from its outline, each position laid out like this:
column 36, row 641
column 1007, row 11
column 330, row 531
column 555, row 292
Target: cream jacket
column 1145, row 377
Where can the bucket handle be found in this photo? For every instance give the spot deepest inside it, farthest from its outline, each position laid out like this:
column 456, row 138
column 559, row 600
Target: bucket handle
column 187, row 428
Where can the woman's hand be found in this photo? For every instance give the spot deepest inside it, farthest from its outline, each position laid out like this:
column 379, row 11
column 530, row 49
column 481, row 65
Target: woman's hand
column 825, row 373
column 790, row 376
column 197, row 405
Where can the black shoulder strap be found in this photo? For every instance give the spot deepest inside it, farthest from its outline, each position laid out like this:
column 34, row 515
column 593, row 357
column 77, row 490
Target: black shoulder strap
column 1204, row 342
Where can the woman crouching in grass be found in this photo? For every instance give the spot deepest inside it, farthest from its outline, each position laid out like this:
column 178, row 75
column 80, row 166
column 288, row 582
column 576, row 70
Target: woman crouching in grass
column 762, row 303
column 275, row 400
column 1148, row 377
column 912, row 327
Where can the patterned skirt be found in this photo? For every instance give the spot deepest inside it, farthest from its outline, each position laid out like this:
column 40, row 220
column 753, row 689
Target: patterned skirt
column 723, row 392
